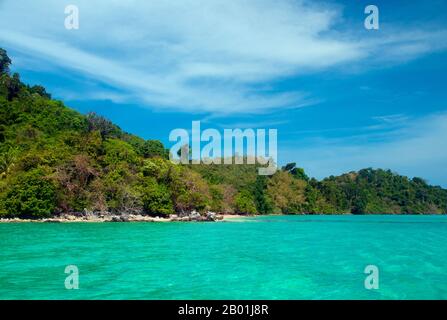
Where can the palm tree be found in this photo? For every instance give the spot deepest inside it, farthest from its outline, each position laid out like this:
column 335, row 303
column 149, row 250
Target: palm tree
column 7, row 160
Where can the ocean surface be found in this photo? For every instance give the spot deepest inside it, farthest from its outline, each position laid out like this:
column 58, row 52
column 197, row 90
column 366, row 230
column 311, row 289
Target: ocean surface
column 272, row 257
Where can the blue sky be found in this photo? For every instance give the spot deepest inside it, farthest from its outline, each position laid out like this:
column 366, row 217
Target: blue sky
column 341, row 97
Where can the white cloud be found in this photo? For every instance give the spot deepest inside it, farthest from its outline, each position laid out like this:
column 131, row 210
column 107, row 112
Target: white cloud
column 199, row 56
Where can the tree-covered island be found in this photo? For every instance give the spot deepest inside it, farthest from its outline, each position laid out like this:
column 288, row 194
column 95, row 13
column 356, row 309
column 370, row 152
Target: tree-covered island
column 54, row 160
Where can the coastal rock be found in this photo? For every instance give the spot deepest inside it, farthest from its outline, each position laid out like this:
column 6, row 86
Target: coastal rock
column 211, row 216
column 120, row 219
column 195, row 216
column 115, row 219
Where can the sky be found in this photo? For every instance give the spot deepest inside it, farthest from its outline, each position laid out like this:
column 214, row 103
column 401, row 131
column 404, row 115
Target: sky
column 342, row 97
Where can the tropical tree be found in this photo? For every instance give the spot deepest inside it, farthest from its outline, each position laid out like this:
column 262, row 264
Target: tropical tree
column 7, row 161
column 244, row 203
column 5, row 62
column 31, row 195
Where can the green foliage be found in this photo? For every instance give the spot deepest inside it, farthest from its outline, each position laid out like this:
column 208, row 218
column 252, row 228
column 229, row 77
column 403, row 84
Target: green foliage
column 190, row 191
column 156, row 198
column 13, row 86
column 117, row 151
column 30, row 195
column 5, row 62
column 74, row 180
column 8, row 159
column 244, row 203
column 105, row 127
column 295, row 171
column 147, row 148
column 287, row 193
column 382, row 191
column 217, row 198
column 154, row 148
column 239, row 176
column 315, row 202
column 37, row 89
column 264, row 204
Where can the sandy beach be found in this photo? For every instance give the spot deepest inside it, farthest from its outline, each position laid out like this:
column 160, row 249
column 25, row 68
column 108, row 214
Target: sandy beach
column 111, row 218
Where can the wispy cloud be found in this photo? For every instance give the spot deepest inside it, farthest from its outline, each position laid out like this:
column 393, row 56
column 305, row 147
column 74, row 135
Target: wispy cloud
column 392, row 118
column 200, row 56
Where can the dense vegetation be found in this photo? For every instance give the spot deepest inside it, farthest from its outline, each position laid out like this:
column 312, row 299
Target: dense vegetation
column 54, row 160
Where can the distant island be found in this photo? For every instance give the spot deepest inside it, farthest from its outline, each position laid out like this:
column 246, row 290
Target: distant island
column 57, row 162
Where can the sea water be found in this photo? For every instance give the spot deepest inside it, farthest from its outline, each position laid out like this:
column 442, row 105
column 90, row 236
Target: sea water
column 270, row 257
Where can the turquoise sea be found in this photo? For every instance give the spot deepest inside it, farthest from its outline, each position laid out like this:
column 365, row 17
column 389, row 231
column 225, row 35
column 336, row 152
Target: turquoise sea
column 272, row 257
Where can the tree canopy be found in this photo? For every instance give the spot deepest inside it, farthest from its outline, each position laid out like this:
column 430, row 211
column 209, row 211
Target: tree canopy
column 5, row 61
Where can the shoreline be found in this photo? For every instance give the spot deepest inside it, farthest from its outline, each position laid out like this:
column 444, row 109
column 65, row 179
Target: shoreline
column 174, row 218
column 116, row 218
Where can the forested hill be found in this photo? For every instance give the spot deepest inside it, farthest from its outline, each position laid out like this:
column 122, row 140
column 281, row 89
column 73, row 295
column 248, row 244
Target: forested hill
column 55, row 160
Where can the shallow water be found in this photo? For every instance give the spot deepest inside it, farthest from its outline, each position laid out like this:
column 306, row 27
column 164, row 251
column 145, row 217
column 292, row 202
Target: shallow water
column 282, row 257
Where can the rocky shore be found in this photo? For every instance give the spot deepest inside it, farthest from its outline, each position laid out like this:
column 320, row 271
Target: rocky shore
column 107, row 217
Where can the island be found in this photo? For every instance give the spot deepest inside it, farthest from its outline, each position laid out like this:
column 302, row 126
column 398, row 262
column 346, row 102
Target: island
column 57, row 164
